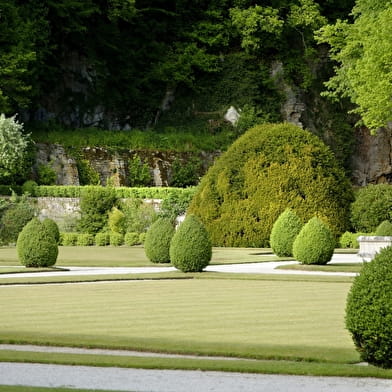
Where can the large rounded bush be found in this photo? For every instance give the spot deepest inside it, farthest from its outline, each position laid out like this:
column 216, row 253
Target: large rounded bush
column 314, row 244
column 369, row 310
column 372, row 205
column 53, row 228
column 36, row 246
column 284, row 231
column 268, row 169
column 190, row 247
column 157, row 242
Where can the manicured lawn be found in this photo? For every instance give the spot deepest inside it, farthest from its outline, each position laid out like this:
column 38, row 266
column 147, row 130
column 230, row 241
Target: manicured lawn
column 266, row 319
column 123, row 256
column 330, row 267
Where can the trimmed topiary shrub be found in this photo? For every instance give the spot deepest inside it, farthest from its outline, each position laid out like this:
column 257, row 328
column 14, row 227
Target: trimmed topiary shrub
column 314, row 244
column 369, row 310
column 85, row 239
column 284, row 231
column 95, row 204
column 384, row 228
column 36, row 246
column 268, row 169
column 69, row 239
column 102, row 239
column 190, row 247
column 350, row 240
column 132, row 239
column 29, row 187
column 372, row 205
column 158, row 238
column 116, row 221
column 142, row 237
column 52, row 227
column 116, row 239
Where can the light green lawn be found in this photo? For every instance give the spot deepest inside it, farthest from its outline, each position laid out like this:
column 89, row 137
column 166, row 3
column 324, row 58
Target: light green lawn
column 123, row 256
column 330, row 267
column 245, row 318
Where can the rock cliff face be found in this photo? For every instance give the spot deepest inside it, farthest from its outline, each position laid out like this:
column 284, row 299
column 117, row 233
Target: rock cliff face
column 372, row 158
column 115, row 165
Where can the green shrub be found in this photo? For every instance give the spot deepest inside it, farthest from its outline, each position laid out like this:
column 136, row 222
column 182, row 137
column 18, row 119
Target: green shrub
column 185, row 173
column 116, row 221
column 29, row 187
column 69, row 239
column 268, row 169
column 36, row 246
column 85, row 239
column 138, row 216
column 102, row 239
column 46, row 175
column 190, row 247
column 142, row 237
column 384, row 228
column 314, row 244
column 372, row 205
column 157, row 243
column 87, row 174
column 95, row 204
column 176, row 203
column 15, row 217
column 52, row 228
column 116, row 239
column 284, row 231
column 132, row 239
column 350, row 240
column 369, row 310
column 139, row 173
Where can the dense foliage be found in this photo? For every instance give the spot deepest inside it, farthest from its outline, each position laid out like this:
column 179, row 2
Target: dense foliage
column 53, row 228
column 190, row 247
column 268, row 169
column 36, row 245
column 384, row 228
column 158, row 238
column 314, row 244
column 284, row 231
column 372, row 205
column 369, row 310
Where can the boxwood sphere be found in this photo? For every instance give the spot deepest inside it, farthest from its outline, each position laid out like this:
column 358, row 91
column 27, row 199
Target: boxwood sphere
column 369, row 310
column 314, row 244
column 53, row 228
column 157, row 242
column 284, row 231
column 36, row 246
column 268, row 169
column 190, row 247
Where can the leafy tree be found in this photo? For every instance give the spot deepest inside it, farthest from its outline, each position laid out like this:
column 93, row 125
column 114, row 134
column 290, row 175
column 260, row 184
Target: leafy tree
column 13, row 146
column 363, row 52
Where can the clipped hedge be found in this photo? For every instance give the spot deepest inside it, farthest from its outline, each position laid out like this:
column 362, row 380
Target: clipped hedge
column 384, row 228
column 284, row 231
column 36, row 246
column 85, row 239
column 116, row 239
column 190, row 247
column 369, row 310
column 69, row 239
column 372, row 205
column 268, row 169
column 314, row 244
column 350, row 240
column 157, row 243
column 132, row 239
column 102, row 239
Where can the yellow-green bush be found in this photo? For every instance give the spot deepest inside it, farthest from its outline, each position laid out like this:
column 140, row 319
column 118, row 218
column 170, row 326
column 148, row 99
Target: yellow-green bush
column 268, row 169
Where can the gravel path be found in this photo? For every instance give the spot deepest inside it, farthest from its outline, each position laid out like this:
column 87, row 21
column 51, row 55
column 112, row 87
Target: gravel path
column 141, row 380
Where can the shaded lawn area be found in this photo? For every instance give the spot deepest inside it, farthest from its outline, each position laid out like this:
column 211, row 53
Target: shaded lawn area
column 123, row 256
column 263, row 319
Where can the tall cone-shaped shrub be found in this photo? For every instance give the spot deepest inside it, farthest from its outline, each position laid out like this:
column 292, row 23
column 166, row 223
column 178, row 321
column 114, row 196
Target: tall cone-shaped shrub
column 268, row 169
column 284, row 231
column 157, row 242
column 190, row 248
column 314, row 244
column 36, row 245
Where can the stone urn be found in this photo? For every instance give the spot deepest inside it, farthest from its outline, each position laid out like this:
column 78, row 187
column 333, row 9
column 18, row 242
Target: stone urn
column 370, row 245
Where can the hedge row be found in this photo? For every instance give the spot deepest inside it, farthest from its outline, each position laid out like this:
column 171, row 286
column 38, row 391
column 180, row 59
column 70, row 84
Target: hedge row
column 101, row 239
column 75, row 191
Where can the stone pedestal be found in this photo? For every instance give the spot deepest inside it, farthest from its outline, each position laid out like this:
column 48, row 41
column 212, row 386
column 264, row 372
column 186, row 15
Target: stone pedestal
column 369, row 246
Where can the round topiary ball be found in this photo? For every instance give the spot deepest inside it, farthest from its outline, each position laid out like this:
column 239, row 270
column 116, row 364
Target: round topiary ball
column 157, row 242
column 369, row 310
column 314, row 244
column 384, row 228
column 284, row 231
column 190, row 247
column 52, row 227
column 36, row 246
column 269, row 168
